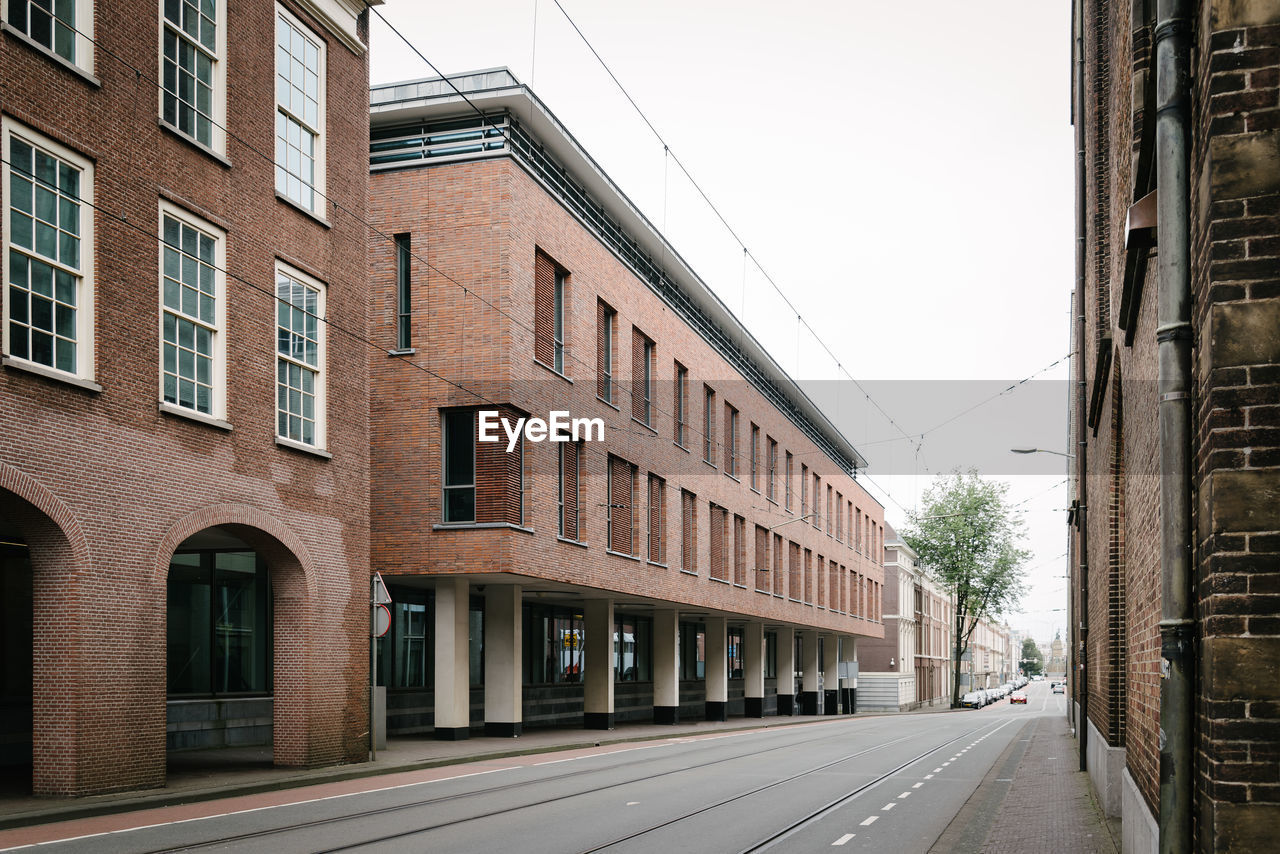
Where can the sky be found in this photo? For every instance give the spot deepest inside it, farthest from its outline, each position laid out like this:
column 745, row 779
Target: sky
column 902, row 173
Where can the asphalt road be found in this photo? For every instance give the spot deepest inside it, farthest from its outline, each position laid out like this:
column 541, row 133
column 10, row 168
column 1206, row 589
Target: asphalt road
column 891, row 783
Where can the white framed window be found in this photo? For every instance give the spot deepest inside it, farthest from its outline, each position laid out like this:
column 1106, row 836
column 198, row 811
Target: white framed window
column 300, row 98
column 193, row 311
column 193, row 41
column 300, row 357
column 48, row 253
column 62, row 27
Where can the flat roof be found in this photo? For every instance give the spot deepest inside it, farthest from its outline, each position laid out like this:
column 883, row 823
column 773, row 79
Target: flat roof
column 495, row 90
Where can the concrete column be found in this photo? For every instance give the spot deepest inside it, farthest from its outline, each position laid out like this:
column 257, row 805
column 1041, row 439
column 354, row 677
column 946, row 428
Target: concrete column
column 830, row 675
column 717, row 696
column 753, row 655
column 849, row 653
column 453, row 683
column 598, row 666
column 503, row 660
column 666, row 666
column 786, row 671
column 809, row 673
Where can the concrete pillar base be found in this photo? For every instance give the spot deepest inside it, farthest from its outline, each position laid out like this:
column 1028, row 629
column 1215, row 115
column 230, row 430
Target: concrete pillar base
column 666, row 714
column 808, row 702
column 597, row 720
column 831, row 703
column 501, row 730
column 786, row 704
column 755, row 707
column 717, row 711
column 452, row 733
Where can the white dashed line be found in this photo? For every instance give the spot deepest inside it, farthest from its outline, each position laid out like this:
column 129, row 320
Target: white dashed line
column 870, row 820
column 929, row 776
column 937, row 770
column 945, row 764
column 918, row 785
column 904, row 795
column 888, row 806
column 843, row 839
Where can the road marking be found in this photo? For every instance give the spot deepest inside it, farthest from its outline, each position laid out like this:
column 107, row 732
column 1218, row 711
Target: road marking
column 928, row 776
column 870, row 820
column 843, row 839
column 945, row 764
column 1004, row 779
column 632, row 803
column 888, row 806
column 937, row 770
column 904, row 795
column 918, row 785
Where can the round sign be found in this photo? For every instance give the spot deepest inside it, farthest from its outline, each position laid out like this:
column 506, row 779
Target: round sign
column 381, row 620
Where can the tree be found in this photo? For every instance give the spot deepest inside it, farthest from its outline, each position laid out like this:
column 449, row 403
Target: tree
column 1032, row 658
column 967, row 537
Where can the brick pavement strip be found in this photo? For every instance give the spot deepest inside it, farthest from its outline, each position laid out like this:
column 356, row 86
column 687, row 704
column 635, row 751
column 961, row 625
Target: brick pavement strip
column 1051, row 805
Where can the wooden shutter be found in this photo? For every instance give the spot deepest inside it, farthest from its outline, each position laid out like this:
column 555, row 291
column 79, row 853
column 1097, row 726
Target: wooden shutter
column 500, row 477
column 657, row 519
column 688, row 532
column 544, row 308
column 603, row 341
column 620, row 498
column 639, row 391
column 569, row 485
column 762, row 558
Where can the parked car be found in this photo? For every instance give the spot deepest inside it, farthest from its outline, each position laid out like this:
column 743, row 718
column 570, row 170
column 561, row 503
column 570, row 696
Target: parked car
column 973, row 700
column 1018, row 697
column 1059, row 688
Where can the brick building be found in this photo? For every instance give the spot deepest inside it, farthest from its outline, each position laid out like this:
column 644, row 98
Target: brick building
column 184, row 463
column 910, row 666
column 708, row 554
column 1178, row 454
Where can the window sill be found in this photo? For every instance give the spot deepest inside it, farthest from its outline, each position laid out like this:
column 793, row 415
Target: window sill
column 657, row 564
column 408, row 351
column 777, row 595
column 739, row 586
column 682, row 447
column 22, row 37
column 687, row 572
column 710, row 464
column 753, row 489
column 303, row 448
column 797, row 601
column 622, row 555
column 194, row 143
column 482, row 526
column 718, row 580
column 771, row 501
column 300, row 209
column 191, row 415
column 732, row 477
column 579, row 543
column 765, row 592
column 547, row 367
column 50, row 373
column 648, row 427
column 607, row 403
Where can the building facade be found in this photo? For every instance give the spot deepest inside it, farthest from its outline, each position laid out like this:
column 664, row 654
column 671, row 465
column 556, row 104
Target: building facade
column 987, row 661
column 911, row 666
column 707, row 552
column 1174, row 638
column 184, row 464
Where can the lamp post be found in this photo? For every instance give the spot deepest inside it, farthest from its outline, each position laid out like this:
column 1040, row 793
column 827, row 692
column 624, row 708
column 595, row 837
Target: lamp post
column 1041, row 451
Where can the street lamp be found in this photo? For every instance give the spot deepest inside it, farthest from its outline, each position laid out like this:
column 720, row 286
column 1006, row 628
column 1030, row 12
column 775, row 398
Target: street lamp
column 1041, row 451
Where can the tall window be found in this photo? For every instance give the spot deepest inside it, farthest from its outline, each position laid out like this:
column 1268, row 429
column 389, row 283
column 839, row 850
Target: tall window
column 53, row 25
column 755, row 458
column 730, row 440
column 632, row 649
column 570, row 491
column 550, row 284
column 622, row 486
column 641, row 377
column 300, row 357
column 459, row 483
column 787, row 480
column 657, row 519
column 840, row 516
column 739, row 551
column 682, row 404
column 772, row 477
column 192, row 352
column 48, row 243
column 708, row 424
column 606, row 333
column 192, row 93
column 735, row 650
column 219, row 625
column 817, row 502
column 404, row 293
column 300, row 63
column 762, row 559
column 719, row 546
column 688, row 531
column 804, row 490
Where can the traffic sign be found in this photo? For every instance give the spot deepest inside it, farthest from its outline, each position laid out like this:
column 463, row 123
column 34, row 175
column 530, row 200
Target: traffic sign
column 381, row 620
column 380, row 594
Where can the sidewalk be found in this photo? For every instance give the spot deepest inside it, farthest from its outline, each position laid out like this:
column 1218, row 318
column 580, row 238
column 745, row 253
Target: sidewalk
column 1035, row 798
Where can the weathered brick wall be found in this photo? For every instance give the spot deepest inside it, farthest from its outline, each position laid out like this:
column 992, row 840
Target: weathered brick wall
column 1235, row 214
column 120, row 477
column 479, row 226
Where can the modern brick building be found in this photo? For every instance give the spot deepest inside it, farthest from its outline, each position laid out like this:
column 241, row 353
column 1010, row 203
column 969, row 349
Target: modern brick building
column 184, row 462
column 708, row 554
column 910, row 667
column 1175, row 637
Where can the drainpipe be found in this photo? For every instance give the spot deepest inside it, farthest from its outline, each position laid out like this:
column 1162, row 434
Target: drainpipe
column 1081, row 407
column 1173, row 335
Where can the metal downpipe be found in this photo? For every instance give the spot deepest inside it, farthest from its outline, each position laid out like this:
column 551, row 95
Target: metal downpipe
column 1172, row 38
column 1081, row 403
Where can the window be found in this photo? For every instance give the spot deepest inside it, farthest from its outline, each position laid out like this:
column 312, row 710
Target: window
column 193, row 313
column 730, row 441
column 804, row 490
column 191, row 96
column 48, row 253
column 762, row 559
column 606, row 333
column 682, row 404
column 570, row 493
column 719, row 546
column 772, row 493
column 622, row 487
column 405, row 657
column 459, row 437
column 708, row 425
column 657, row 519
column 755, row 458
column 300, row 357
column 817, row 502
column 404, row 293
column 829, row 508
column 739, row 551
column 808, row 576
column 820, row 582
column 858, row 529
column 770, row 655
column 554, row 645
column 840, row 516
column 794, row 577
column 300, row 94
column 53, row 25
column 787, row 481
column 735, row 652
column 778, row 578
column 641, row 377
column 550, row 284
column 632, row 649
column 688, row 531
column 219, row 624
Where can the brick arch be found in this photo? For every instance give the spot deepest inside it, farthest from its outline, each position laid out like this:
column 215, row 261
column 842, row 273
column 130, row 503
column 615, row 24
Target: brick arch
column 33, row 492
column 294, row 586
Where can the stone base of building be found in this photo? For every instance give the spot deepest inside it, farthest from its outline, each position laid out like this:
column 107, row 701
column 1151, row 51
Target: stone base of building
column 451, row 733
column 597, row 720
column 717, row 710
column 808, row 702
column 754, row 707
column 1139, row 828
column 666, row 714
column 1105, row 764
column 786, row 704
column 495, row 729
